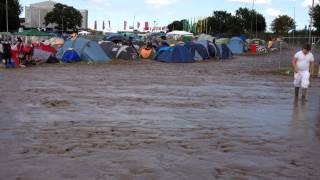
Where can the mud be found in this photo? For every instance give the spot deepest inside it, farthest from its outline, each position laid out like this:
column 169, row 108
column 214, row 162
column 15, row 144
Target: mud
column 149, row 120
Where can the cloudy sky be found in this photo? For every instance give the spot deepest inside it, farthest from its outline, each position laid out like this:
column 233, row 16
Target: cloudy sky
column 165, row 11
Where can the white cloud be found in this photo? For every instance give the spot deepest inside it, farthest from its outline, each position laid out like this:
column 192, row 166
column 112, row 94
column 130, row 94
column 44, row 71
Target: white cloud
column 160, row 3
column 273, row 12
column 306, row 3
column 101, row 2
column 250, row 1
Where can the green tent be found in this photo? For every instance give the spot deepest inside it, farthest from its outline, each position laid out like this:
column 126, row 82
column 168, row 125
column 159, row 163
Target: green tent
column 222, row 41
column 32, row 32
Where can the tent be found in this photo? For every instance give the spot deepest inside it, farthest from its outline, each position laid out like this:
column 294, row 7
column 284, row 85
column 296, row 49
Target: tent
column 180, row 33
column 222, row 41
column 86, row 49
column 214, row 50
column 32, row 32
column 237, row 45
column 146, row 53
column 110, row 48
column 70, row 56
column 116, row 38
column 127, row 53
column 225, row 52
column 199, row 51
column 84, row 33
column 174, row 54
column 206, row 37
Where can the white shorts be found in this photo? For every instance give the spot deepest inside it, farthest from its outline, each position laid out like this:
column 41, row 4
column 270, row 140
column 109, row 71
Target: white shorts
column 302, row 79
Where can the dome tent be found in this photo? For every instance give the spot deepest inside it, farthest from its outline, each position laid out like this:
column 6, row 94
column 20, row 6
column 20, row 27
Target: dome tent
column 86, row 49
column 174, row 54
column 237, row 45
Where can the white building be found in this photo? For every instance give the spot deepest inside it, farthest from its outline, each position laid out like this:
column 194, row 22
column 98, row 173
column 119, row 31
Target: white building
column 35, row 13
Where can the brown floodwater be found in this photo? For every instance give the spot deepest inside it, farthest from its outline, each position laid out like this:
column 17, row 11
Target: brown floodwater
column 149, row 120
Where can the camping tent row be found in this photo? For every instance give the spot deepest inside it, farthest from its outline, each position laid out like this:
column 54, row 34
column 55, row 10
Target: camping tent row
column 192, row 51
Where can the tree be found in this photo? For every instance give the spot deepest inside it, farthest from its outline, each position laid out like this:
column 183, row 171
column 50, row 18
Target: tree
column 14, row 10
column 282, row 24
column 315, row 15
column 65, row 17
column 177, row 25
column 251, row 20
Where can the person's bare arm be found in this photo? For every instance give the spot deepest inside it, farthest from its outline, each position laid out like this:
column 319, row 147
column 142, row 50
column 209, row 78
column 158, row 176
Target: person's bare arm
column 294, row 64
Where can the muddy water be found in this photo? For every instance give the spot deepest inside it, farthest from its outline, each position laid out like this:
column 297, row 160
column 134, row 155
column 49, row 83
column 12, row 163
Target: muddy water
column 156, row 121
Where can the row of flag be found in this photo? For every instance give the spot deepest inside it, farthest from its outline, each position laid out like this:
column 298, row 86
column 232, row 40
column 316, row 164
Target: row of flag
column 125, row 26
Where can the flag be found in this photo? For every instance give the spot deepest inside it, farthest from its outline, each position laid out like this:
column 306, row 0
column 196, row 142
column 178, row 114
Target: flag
column 109, row 22
column 138, row 25
column 146, row 26
column 103, row 25
column 125, row 25
column 95, row 25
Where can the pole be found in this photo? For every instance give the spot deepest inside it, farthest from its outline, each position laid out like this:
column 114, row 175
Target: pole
column 7, row 16
column 39, row 13
column 251, row 30
column 311, row 24
column 294, row 18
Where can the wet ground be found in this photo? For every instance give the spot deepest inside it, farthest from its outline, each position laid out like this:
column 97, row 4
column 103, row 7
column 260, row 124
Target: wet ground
column 149, row 120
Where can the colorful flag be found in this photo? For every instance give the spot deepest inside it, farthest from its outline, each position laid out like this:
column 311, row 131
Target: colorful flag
column 146, row 26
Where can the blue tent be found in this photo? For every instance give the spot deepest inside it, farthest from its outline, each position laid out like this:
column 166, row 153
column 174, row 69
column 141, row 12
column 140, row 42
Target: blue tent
column 175, row 54
column 86, row 49
column 214, row 50
column 199, row 52
column 236, row 45
column 225, row 52
column 70, row 56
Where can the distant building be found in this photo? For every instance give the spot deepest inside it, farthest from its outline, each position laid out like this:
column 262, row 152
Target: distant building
column 35, row 13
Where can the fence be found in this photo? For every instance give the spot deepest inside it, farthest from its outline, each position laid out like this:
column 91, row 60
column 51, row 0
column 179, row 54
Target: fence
column 294, row 44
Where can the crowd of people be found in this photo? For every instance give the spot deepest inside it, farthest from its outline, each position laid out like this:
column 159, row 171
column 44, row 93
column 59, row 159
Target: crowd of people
column 17, row 52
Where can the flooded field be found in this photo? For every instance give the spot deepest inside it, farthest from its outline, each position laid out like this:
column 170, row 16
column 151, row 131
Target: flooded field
column 149, row 120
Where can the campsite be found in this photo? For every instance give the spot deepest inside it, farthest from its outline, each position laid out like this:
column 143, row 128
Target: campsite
column 159, row 90
column 152, row 120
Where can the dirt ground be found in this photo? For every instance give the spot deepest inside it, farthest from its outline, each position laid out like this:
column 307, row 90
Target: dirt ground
column 150, row 120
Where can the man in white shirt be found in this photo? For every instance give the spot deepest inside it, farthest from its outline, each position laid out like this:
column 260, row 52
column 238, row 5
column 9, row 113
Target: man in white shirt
column 303, row 64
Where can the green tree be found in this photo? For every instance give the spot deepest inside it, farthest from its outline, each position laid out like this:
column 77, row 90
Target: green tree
column 282, row 24
column 65, row 17
column 14, row 10
column 315, row 15
column 178, row 25
column 251, row 20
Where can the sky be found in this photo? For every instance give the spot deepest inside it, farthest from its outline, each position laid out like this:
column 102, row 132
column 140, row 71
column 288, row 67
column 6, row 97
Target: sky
column 166, row 11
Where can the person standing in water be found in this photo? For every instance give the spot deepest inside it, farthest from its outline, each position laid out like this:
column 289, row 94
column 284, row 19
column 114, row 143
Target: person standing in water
column 303, row 65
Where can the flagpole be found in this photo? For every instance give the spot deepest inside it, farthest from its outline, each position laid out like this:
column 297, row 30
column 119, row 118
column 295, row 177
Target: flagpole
column 311, row 24
column 7, row 23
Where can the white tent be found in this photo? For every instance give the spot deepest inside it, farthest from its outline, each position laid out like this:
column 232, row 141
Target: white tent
column 180, row 33
column 84, row 33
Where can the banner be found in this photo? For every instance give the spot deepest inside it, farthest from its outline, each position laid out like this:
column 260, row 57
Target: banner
column 103, row 25
column 138, row 25
column 109, row 22
column 146, row 26
column 95, row 25
column 125, row 25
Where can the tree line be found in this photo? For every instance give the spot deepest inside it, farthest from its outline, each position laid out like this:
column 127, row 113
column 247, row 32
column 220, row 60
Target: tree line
column 245, row 21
